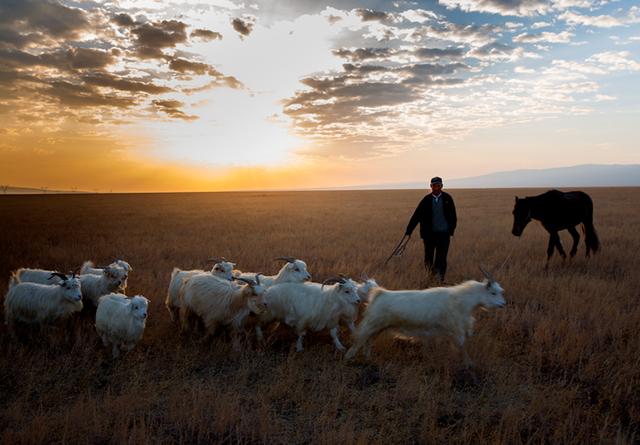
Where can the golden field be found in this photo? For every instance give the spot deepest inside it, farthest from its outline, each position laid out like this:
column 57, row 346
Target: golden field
column 559, row 364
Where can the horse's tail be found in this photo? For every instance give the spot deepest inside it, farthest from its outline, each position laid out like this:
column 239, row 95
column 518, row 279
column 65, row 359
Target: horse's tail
column 591, row 237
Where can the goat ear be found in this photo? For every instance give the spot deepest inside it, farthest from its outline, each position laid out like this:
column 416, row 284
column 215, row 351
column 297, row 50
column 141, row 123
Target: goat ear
column 488, row 285
column 516, row 199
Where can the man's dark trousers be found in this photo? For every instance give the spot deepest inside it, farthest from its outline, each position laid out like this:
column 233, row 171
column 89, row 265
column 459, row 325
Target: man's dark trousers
column 436, row 244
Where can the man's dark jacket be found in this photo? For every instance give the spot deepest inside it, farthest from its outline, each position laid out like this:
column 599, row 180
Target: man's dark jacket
column 423, row 212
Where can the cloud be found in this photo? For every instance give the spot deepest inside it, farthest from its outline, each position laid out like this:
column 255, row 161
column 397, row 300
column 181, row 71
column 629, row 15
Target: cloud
column 564, row 4
column 497, row 51
column 242, row 26
column 152, row 38
column 188, row 66
column 369, row 15
column 74, row 95
column 185, row 66
column 473, row 35
column 124, row 84
column 352, row 109
column 70, row 59
column 503, row 7
column 91, row 64
column 598, row 21
column 418, row 53
column 551, row 37
column 615, row 61
column 205, row 34
column 45, row 16
column 123, row 19
column 523, row 70
column 538, row 25
column 14, row 39
column 360, row 54
column 172, row 109
column 438, row 53
column 419, row 15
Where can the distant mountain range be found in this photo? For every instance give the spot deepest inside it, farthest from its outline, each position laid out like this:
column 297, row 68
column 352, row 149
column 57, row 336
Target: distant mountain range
column 33, row 191
column 590, row 175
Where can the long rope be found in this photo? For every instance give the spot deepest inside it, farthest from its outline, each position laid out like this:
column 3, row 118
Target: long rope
column 513, row 247
column 399, row 249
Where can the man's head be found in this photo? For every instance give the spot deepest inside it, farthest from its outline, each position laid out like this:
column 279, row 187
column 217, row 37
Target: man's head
column 436, row 185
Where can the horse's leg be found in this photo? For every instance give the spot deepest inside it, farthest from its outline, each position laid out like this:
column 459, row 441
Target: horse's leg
column 576, row 238
column 558, row 244
column 550, row 247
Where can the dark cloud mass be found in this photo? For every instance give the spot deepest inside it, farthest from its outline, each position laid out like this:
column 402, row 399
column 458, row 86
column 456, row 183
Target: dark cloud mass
column 50, row 17
column 70, row 59
column 369, row 15
column 172, row 109
column 125, row 84
column 355, row 101
column 435, row 53
column 152, row 38
column 187, row 66
column 205, row 34
column 363, row 54
column 89, row 63
column 10, row 38
column 85, row 96
column 123, row 19
column 243, row 27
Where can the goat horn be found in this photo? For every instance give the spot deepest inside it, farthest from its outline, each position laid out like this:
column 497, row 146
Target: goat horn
column 245, row 280
column 364, row 276
column 59, row 275
column 486, row 273
column 288, row 259
column 333, row 280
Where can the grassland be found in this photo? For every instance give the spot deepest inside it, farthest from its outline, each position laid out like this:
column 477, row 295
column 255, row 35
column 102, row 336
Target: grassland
column 560, row 364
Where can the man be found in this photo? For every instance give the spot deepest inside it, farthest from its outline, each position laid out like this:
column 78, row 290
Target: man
column 436, row 214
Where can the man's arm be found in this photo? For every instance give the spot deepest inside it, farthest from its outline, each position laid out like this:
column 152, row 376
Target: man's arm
column 454, row 219
column 415, row 219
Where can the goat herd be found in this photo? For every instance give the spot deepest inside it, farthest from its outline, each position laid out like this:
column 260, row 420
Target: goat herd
column 227, row 297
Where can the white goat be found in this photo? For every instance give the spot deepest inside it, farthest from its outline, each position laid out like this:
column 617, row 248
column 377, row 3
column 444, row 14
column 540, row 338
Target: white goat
column 88, row 267
column 219, row 302
column 353, row 312
column 294, row 271
column 110, row 278
column 95, row 286
column 310, row 306
column 446, row 311
column 35, row 303
column 41, row 276
column 222, row 269
column 120, row 321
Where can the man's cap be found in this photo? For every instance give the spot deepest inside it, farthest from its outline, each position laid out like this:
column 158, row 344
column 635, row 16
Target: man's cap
column 436, row 180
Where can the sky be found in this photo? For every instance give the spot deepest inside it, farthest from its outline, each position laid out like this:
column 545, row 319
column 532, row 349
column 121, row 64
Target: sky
column 228, row 95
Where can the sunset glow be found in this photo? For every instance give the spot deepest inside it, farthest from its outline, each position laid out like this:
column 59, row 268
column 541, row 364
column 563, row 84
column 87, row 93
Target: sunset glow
column 229, row 95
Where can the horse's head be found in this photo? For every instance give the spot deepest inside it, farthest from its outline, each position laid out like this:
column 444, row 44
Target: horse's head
column 521, row 216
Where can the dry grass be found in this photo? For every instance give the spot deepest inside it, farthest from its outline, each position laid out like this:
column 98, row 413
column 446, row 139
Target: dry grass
column 560, row 364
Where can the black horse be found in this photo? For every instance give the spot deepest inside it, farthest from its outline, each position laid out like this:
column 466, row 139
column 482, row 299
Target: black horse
column 556, row 211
